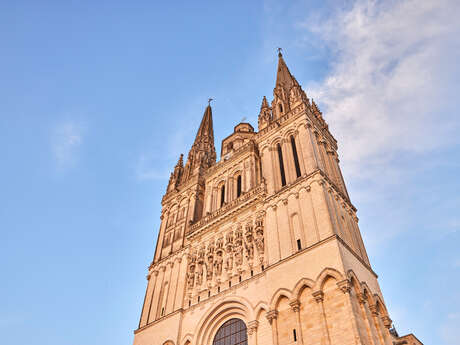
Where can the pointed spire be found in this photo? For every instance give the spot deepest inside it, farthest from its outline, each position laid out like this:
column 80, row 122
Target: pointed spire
column 203, row 152
column 283, row 76
column 264, row 103
column 265, row 114
column 205, row 131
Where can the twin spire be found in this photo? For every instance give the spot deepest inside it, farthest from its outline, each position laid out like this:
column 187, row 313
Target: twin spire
column 202, row 154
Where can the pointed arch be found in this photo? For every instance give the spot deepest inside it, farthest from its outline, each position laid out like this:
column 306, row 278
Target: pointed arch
column 354, row 281
column 381, row 308
column 301, row 285
column 324, row 275
column 367, row 292
column 281, row 292
column 187, row 339
column 169, row 342
column 261, row 306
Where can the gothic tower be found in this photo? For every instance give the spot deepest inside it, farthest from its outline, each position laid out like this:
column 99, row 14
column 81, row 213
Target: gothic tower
column 263, row 247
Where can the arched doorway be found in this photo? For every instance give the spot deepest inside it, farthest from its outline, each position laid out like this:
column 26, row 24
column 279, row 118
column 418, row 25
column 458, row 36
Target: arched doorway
column 232, row 332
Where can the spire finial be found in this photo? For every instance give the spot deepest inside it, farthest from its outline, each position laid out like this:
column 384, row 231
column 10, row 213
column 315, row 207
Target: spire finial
column 209, row 101
column 279, row 52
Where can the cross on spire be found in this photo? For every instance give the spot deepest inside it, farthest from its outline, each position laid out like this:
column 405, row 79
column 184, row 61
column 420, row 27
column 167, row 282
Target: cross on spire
column 279, row 51
column 209, row 101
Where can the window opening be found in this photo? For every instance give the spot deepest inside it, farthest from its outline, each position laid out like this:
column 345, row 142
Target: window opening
column 222, row 195
column 280, row 158
column 295, row 334
column 299, row 245
column 280, row 106
column 238, row 186
column 296, row 158
column 232, row 332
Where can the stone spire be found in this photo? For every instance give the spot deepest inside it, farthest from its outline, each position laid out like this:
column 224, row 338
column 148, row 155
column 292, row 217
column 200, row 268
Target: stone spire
column 203, row 153
column 287, row 93
column 265, row 115
column 175, row 178
column 284, row 78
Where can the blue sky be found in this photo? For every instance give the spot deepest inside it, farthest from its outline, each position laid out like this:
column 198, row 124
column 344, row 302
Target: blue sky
column 97, row 101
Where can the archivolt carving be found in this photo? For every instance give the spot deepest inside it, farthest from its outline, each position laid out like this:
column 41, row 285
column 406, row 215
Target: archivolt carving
column 225, row 309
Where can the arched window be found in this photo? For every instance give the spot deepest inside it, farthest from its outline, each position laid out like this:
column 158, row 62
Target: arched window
column 280, row 158
column 222, row 195
column 296, row 158
column 280, row 107
column 232, row 332
column 238, row 186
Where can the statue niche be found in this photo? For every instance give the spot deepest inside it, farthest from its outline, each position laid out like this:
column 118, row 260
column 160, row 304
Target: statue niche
column 238, row 247
column 229, row 250
column 199, row 266
column 249, row 242
column 191, row 270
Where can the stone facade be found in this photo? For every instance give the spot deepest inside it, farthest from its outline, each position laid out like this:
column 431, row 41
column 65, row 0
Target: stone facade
column 268, row 235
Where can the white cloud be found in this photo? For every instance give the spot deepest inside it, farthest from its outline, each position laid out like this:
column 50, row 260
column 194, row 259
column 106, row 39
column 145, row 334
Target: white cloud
column 66, row 139
column 393, row 81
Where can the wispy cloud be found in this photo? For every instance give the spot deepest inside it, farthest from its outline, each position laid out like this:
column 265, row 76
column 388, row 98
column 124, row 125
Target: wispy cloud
column 67, row 137
column 393, row 79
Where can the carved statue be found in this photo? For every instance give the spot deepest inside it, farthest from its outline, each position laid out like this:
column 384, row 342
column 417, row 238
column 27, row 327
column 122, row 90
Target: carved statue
column 238, row 247
column 211, row 247
column 199, row 273
column 229, row 237
column 259, row 240
column 249, row 243
column 209, row 267
column 219, row 244
column 218, row 263
column 199, row 267
column 191, row 270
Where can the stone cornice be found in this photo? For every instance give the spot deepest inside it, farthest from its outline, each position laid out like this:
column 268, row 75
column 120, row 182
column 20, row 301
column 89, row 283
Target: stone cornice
column 227, row 210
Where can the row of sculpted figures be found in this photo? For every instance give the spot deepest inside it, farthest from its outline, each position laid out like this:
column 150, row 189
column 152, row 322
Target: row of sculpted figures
column 233, row 254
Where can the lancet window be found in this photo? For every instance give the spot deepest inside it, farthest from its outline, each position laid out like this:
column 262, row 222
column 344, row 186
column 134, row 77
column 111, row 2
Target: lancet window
column 296, row 157
column 222, row 195
column 238, row 186
column 280, row 159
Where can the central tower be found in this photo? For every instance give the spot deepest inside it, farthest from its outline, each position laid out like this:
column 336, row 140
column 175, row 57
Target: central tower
column 263, row 247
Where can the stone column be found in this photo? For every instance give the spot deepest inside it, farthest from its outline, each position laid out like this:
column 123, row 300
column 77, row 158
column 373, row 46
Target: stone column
column 148, row 300
column 252, row 332
column 295, row 305
column 288, row 159
column 375, row 317
column 319, row 297
column 272, row 317
column 267, row 170
column 345, row 286
column 308, row 149
column 387, row 322
column 362, row 302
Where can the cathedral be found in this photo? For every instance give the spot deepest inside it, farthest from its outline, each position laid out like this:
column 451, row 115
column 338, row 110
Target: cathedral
column 263, row 246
